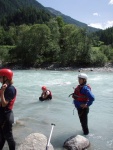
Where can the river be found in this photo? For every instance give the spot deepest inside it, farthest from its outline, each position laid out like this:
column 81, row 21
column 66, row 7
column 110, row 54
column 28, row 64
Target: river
column 35, row 116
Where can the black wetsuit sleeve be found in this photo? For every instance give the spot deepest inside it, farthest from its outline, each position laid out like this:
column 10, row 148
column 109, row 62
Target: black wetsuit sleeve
column 10, row 93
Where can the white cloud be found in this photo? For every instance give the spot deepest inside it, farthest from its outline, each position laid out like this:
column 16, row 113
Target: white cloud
column 102, row 26
column 111, row 2
column 96, row 25
column 109, row 24
column 95, row 14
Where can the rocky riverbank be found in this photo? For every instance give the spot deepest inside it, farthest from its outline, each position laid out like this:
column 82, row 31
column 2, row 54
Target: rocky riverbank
column 103, row 69
column 107, row 68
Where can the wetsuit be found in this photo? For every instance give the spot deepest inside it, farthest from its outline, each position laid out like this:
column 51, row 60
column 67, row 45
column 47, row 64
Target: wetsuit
column 7, row 119
column 86, row 98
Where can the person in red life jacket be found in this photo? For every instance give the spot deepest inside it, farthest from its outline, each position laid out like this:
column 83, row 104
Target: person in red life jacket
column 46, row 94
column 7, row 99
column 83, row 98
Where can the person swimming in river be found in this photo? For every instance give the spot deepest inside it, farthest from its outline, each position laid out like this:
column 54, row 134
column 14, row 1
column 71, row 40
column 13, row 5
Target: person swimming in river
column 46, row 94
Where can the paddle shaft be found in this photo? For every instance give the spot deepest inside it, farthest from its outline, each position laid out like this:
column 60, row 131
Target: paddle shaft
column 50, row 136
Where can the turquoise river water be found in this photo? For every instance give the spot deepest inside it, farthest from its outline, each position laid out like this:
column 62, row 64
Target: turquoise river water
column 35, row 116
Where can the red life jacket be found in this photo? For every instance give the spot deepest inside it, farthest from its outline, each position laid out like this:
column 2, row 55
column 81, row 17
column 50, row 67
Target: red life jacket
column 50, row 94
column 78, row 95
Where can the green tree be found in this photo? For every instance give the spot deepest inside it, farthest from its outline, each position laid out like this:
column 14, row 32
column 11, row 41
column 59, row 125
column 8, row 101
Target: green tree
column 53, row 47
column 107, row 51
column 2, row 32
column 84, row 49
column 98, row 58
column 68, row 44
column 33, row 45
column 20, row 31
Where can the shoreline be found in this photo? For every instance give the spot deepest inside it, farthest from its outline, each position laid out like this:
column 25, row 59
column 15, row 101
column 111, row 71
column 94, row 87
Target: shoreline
column 103, row 69
column 52, row 67
column 98, row 69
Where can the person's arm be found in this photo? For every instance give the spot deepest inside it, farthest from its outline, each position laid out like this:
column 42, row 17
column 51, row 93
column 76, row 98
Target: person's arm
column 42, row 94
column 86, row 91
column 3, row 101
column 90, row 96
column 0, row 97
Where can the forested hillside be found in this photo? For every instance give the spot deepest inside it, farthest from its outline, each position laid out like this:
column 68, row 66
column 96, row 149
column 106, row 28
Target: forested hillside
column 30, row 11
column 106, row 36
column 33, row 37
column 28, row 15
column 19, row 12
column 8, row 7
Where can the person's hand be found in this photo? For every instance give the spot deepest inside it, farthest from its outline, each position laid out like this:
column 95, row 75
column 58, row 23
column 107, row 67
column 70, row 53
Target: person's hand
column 74, row 96
column 4, row 86
column 84, row 106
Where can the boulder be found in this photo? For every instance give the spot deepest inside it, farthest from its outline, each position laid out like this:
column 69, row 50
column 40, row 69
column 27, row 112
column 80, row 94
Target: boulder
column 76, row 143
column 35, row 141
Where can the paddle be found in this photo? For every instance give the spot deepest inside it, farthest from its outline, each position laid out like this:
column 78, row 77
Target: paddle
column 47, row 147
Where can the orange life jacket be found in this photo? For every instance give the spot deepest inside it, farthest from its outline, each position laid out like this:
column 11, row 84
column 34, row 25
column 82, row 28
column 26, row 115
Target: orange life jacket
column 77, row 95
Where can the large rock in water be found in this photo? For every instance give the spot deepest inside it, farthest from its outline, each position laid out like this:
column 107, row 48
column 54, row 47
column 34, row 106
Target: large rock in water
column 76, row 143
column 35, row 141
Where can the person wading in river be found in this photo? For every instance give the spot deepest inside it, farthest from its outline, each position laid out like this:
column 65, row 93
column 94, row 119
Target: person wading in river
column 83, row 98
column 46, row 94
column 7, row 96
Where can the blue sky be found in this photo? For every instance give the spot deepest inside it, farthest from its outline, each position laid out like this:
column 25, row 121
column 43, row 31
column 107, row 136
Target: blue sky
column 95, row 13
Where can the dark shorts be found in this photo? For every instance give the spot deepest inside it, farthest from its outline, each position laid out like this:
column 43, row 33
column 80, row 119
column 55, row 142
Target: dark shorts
column 44, row 99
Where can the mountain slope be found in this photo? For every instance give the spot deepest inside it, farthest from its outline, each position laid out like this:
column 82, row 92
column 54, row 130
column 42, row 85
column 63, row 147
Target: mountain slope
column 8, row 7
column 14, row 8
column 70, row 20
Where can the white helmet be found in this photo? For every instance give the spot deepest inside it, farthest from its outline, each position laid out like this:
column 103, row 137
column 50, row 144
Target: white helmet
column 83, row 76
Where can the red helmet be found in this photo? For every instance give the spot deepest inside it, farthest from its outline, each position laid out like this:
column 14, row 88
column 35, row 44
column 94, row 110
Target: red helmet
column 7, row 73
column 44, row 88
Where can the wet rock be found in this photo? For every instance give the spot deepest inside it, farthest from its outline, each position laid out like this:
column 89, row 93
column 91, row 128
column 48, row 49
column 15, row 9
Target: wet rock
column 35, row 141
column 76, row 143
